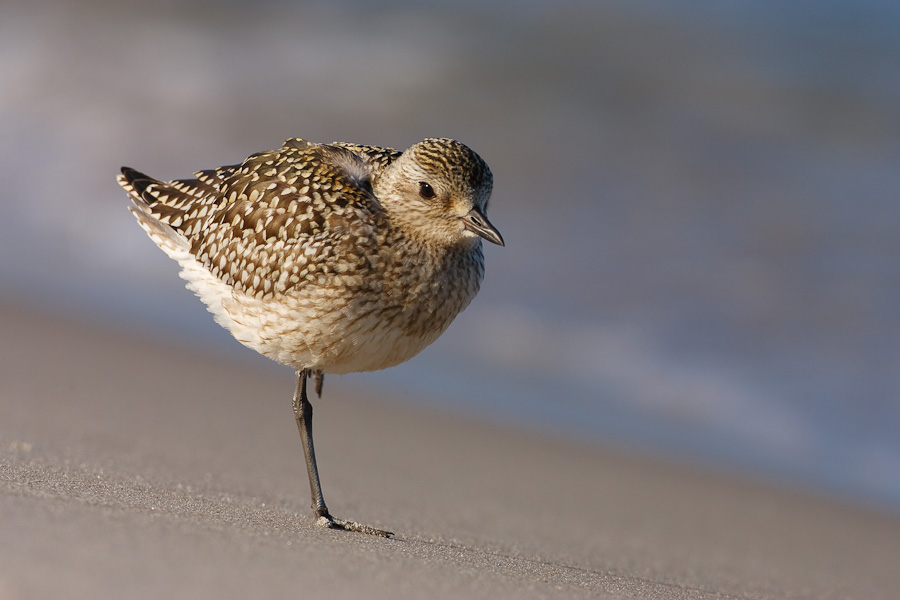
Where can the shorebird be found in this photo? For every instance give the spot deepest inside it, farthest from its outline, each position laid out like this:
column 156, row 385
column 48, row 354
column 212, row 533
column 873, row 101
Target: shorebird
column 328, row 258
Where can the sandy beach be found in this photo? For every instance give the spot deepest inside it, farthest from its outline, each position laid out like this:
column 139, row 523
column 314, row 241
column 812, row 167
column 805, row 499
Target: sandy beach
column 131, row 469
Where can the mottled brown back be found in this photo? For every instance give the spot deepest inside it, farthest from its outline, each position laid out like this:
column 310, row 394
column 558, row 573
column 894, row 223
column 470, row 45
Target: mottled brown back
column 277, row 219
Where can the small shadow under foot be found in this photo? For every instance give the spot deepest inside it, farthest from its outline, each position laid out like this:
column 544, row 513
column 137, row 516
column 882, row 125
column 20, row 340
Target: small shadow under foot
column 332, row 523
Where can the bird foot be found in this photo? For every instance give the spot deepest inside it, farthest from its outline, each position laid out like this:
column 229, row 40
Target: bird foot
column 331, row 523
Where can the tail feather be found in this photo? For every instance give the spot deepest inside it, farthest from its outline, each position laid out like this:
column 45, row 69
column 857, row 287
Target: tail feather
column 161, row 209
column 156, row 218
column 134, row 182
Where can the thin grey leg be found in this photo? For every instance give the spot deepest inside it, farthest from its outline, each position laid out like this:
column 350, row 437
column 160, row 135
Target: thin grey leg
column 303, row 412
column 303, row 415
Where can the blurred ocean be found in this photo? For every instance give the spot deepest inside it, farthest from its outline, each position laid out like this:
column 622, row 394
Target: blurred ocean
column 699, row 198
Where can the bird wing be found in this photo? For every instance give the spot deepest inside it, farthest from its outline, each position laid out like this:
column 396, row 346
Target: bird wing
column 280, row 218
column 375, row 158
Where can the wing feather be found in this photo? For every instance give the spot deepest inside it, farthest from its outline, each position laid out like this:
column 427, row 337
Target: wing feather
column 267, row 225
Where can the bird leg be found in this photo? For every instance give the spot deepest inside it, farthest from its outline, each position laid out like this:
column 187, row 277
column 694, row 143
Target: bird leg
column 320, row 379
column 303, row 415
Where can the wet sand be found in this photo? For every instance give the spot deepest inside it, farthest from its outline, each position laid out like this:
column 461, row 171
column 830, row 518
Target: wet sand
column 134, row 469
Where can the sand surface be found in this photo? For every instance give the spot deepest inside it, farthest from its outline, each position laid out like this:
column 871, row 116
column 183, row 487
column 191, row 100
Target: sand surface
column 131, row 469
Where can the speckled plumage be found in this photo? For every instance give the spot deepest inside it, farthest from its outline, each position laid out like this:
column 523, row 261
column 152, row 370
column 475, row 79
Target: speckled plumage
column 317, row 256
column 328, row 257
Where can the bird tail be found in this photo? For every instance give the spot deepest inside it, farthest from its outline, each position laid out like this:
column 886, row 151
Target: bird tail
column 157, row 218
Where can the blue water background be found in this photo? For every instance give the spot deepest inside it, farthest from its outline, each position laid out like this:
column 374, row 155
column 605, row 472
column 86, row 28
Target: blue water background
column 700, row 200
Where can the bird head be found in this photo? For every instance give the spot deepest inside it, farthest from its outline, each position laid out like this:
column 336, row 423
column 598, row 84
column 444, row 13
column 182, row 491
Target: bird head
column 439, row 190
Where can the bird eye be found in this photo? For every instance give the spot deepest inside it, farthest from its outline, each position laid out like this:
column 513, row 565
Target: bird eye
column 425, row 190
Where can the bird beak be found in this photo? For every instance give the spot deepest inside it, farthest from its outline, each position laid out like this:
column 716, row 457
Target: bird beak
column 477, row 223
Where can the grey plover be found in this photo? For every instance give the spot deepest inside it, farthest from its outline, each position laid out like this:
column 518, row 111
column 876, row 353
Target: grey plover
column 329, row 258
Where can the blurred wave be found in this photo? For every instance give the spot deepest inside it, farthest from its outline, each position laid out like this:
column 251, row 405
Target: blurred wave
column 699, row 198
